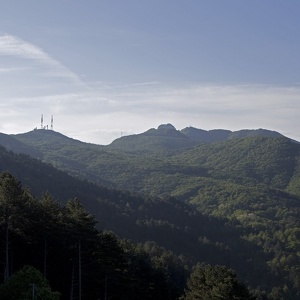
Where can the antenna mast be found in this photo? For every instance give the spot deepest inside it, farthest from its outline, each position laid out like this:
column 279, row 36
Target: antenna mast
column 42, row 121
column 52, row 122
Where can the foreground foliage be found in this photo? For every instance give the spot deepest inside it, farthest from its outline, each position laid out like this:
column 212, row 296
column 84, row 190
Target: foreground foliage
column 80, row 261
column 27, row 284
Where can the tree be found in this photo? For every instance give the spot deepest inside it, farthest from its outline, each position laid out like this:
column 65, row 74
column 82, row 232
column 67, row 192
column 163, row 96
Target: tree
column 111, row 266
column 50, row 214
column 27, row 284
column 215, row 282
column 81, row 227
column 10, row 202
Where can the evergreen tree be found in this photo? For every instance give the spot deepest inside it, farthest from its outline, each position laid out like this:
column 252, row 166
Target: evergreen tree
column 10, row 204
column 112, row 267
column 83, row 235
column 50, row 221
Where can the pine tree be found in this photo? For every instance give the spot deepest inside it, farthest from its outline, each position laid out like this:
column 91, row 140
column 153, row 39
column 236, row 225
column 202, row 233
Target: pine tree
column 50, row 219
column 82, row 232
column 10, row 203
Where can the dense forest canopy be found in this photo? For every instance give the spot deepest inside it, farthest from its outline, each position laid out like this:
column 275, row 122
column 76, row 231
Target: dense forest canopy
column 78, row 260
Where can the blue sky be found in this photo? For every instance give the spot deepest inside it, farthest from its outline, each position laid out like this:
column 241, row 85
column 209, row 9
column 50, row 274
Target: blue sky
column 106, row 68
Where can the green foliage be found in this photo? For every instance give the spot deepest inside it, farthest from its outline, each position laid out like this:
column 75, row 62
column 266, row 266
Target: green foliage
column 27, row 284
column 208, row 283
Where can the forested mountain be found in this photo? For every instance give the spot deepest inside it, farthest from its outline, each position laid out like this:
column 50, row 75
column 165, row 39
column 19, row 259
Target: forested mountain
column 172, row 233
column 121, row 163
column 167, row 169
column 227, row 198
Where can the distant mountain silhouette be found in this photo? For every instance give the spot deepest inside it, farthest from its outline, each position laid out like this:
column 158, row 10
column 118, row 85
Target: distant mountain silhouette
column 166, row 136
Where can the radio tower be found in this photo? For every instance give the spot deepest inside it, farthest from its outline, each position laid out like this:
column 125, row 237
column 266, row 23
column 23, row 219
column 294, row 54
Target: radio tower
column 52, row 122
column 42, row 121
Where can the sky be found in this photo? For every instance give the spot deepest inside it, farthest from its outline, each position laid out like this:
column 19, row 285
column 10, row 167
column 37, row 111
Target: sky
column 108, row 68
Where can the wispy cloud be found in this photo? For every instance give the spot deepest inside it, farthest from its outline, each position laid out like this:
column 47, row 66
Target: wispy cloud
column 11, row 45
column 14, row 46
column 12, row 69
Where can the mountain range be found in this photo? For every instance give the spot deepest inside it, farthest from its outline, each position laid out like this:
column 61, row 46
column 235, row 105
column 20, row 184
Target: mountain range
column 224, row 197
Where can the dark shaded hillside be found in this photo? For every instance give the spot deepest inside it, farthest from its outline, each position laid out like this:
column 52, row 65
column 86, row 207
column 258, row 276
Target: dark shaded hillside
column 46, row 245
column 123, row 212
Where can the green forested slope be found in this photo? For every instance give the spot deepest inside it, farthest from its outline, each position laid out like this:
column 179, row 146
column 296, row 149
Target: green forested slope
column 259, row 160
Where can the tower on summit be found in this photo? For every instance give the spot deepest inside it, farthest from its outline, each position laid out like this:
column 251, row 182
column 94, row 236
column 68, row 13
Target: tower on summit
column 46, row 126
column 52, row 122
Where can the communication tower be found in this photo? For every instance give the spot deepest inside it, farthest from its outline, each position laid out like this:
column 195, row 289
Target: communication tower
column 42, row 122
column 52, row 122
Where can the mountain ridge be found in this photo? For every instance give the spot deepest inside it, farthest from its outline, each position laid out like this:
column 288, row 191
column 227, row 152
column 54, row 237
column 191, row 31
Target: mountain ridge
column 163, row 130
column 131, row 162
column 166, row 136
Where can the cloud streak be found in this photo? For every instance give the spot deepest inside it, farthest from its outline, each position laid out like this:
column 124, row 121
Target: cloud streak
column 13, row 46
